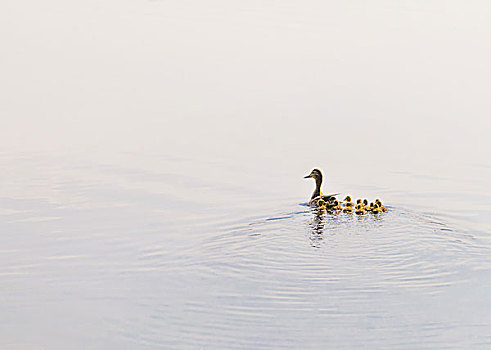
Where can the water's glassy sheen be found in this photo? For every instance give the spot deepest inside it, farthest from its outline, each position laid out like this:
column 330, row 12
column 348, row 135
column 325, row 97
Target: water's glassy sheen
column 153, row 153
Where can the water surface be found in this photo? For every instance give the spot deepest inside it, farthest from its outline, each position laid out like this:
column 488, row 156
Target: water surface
column 153, row 154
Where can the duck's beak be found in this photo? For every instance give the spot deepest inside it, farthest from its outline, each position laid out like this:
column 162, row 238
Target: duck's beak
column 306, row 177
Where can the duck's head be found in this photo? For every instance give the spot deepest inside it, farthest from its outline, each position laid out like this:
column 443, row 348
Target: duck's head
column 336, row 203
column 358, row 201
column 365, row 202
column 378, row 202
column 371, row 204
column 316, row 174
column 347, row 199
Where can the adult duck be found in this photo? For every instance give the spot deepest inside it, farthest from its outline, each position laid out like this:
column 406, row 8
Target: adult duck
column 318, row 195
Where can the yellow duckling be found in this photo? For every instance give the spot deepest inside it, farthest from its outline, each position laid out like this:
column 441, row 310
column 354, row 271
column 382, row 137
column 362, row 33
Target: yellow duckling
column 348, row 205
column 318, row 195
column 348, row 202
column 370, row 207
column 348, row 209
column 337, row 206
column 382, row 207
column 359, row 209
column 376, row 209
column 321, row 204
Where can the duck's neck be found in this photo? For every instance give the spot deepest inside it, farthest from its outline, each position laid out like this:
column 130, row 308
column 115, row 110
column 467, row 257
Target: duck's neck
column 317, row 191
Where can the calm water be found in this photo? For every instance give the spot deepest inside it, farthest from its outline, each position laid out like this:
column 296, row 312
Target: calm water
column 153, row 154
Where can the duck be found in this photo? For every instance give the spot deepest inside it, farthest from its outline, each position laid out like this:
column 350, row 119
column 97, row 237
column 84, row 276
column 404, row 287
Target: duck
column 382, row 207
column 329, row 199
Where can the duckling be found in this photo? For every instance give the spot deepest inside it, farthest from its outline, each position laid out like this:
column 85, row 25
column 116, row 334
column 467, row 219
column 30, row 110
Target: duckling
column 359, row 209
column 370, row 207
column 317, row 195
column 348, row 202
column 365, row 204
column 376, row 209
column 384, row 209
column 348, row 209
column 337, row 206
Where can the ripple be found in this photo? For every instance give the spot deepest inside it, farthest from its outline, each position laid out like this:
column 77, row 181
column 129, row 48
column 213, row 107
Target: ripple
column 396, row 250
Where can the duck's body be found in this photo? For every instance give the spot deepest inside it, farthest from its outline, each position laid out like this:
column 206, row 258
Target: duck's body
column 318, row 196
column 326, row 200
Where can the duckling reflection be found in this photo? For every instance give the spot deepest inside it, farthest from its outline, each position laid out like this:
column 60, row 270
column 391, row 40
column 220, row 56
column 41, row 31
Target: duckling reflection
column 315, row 240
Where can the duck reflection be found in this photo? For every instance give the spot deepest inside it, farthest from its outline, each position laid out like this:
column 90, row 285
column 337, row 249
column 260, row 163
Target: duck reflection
column 318, row 222
column 317, row 228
